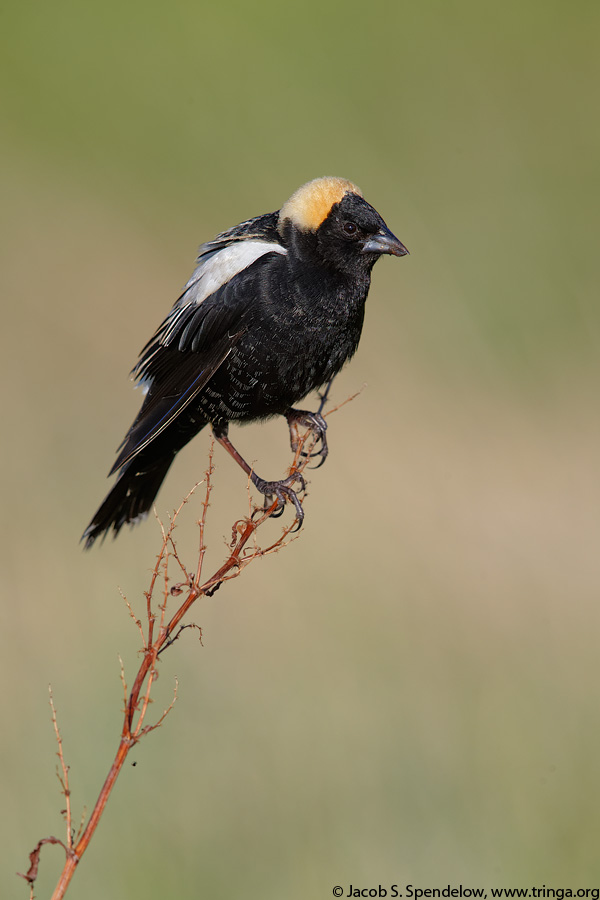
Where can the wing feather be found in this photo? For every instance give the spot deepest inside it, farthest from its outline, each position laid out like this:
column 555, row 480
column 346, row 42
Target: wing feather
column 200, row 332
column 160, row 408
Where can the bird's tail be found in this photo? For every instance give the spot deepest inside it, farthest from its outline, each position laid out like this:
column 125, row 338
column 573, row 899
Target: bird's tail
column 131, row 497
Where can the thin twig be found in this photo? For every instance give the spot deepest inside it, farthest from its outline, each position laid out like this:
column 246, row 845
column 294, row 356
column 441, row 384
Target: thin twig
column 64, row 780
column 205, row 505
column 135, row 619
column 342, row 403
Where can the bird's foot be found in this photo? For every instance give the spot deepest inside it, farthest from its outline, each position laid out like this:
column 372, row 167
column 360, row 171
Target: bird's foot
column 282, row 491
column 301, row 418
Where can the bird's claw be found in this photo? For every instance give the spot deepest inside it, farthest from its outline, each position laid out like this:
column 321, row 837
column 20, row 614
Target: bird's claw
column 282, row 491
column 318, row 426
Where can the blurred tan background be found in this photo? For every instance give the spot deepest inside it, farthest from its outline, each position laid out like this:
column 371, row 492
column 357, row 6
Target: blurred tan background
column 410, row 692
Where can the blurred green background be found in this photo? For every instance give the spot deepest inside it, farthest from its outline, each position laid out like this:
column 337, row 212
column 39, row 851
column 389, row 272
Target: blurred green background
column 409, row 693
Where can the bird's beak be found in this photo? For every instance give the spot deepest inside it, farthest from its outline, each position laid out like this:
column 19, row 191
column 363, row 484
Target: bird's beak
column 384, row 242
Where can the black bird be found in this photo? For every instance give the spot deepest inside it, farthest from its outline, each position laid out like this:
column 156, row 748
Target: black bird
column 273, row 310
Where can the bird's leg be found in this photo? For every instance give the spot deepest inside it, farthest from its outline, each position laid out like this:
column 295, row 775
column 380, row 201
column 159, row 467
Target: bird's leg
column 324, row 395
column 282, row 490
column 301, row 418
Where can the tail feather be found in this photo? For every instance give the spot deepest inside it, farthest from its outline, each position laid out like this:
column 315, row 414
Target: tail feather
column 130, row 499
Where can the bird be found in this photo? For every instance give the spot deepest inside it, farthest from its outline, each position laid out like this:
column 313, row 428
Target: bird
column 272, row 311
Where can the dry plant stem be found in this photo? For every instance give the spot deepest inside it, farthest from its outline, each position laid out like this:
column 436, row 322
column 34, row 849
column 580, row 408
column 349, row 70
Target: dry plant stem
column 160, row 634
column 64, row 779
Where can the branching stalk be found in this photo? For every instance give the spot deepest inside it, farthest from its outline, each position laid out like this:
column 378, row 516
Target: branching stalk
column 162, row 628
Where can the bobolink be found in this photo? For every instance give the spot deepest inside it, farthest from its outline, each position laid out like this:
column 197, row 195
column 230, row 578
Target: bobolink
column 273, row 310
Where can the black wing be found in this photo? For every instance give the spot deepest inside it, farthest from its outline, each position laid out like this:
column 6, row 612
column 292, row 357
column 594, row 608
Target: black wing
column 163, row 404
column 199, row 333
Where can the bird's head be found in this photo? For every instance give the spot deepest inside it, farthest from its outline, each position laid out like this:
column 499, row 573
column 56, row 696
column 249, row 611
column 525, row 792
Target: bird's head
column 331, row 217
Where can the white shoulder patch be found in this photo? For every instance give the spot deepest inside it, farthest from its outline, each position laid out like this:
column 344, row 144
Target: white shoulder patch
column 220, row 267
column 214, row 270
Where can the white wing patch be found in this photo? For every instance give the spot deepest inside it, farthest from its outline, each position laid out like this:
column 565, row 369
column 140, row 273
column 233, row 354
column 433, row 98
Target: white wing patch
column 213, row 272
column 220, row 267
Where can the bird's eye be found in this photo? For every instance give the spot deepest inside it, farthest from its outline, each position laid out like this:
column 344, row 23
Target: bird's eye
column 349, row 228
